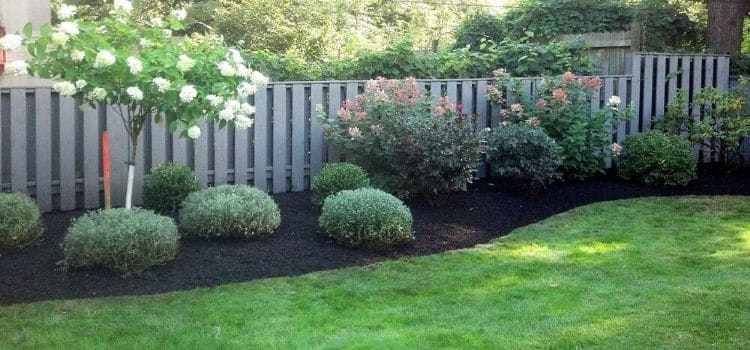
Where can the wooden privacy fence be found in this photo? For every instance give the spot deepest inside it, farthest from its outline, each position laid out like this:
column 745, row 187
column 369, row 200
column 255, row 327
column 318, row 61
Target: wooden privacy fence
column 50, row 148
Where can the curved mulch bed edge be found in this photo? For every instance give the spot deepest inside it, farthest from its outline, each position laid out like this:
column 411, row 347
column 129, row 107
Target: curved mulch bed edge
column 298, row 247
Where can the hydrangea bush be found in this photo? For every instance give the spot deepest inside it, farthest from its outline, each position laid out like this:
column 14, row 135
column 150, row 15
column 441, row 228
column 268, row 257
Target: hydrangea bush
column 409, row 143
column 563, row 110
column 140, row 67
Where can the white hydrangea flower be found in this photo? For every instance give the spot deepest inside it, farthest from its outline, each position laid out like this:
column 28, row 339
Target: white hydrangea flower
column 214, row 100
column 162, row 84
column 180, row 14
column 236, row 56
column 60, row 38
column 135, row 65
column 226, row 69
column 65, row 88
column 232, row 105
column 135, row 93
column 185, row 63
column 194, row 132
column 144, row 42
column 167, row 32
column 80, row 83
column 246, row 89
column 97, row 94
column 69, row 28
column 11, row 42
column 104, row 59
column 259, row 79
column 77, row 55
column 156, row 22
column 243, row 71
column 226, row 114
column 124, row 6
column 17, row 68
column 188, row 93
column 66, row 12
column 243, row 122
column 246, row 108
column 614, row 101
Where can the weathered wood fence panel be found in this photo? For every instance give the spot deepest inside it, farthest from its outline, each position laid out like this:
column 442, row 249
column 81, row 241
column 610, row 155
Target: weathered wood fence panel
column 50, row 149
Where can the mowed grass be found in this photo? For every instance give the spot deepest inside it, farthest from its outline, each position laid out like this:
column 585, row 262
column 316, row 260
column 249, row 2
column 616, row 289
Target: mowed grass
column 645, row 273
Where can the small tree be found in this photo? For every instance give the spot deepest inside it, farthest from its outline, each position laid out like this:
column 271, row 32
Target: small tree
column 143, row 70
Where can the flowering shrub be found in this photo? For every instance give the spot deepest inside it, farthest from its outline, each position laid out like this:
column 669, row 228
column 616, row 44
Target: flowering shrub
column 20, row 221
column 405, row 141
column 167, row 186
column 142, row 69
column 366, row 217
column 655, row 158
column 563, row 111
column 334, row 178
column 525, row 154
column 725, row 121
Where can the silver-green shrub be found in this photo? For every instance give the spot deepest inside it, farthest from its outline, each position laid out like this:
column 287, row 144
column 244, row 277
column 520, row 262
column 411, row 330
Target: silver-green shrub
column 229, row 211
column 20, row 221
column 124, row 240
column 366, row 217
column 334, row 178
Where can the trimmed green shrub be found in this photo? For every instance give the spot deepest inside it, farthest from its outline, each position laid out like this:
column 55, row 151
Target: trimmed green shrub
column 20, row 221
column 366, row 217
column 124, row 240
column 655, row 158
column 229, row 211
column 337, row 177
column 524, row 154
column 167, row 186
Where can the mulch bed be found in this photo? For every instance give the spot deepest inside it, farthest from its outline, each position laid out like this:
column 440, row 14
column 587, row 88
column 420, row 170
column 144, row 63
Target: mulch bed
column 298, row 247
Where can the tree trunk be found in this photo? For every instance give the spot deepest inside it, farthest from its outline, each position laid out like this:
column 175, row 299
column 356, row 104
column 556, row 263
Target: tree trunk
column 725, row 20
column 131, row 170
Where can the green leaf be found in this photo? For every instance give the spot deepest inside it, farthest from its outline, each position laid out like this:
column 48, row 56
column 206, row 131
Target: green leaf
column 28, row 30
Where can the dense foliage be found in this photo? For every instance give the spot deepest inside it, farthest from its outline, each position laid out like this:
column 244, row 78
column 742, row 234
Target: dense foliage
column 20, row 221
column 408, row 144
column 366, row 217
column 724, row 122
column 167, row 186
column 655, row 158
column 124, row 240
column 563, row 110
column 525, row 154
column 336, row 177
column 229, row 211
column 401, row 60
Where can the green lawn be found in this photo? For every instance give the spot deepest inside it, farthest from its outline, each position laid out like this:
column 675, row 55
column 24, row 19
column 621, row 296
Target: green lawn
column 666, row 273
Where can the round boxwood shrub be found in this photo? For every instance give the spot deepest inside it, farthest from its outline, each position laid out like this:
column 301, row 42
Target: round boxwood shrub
column 337, row 177
column 525, row 155
column 366, row 217
column 20, row 221
column 124, row 240
column 229, row 211
column 167, row 186
column 655, row 158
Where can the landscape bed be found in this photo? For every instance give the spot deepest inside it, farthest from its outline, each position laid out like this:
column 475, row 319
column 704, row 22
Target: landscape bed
column 297, row 247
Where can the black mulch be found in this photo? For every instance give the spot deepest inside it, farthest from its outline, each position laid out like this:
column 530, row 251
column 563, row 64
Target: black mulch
column 298, row 247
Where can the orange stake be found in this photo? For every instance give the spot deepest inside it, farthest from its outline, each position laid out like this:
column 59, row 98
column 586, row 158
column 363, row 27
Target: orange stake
column 105, row 169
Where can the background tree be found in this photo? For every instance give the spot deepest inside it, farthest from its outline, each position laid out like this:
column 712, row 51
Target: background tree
column 725, row 22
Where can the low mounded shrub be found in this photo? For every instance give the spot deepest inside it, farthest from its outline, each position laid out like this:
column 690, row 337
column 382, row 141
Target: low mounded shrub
column 167, row 186
column 20, row 221
column 525, row 155
column 655, row 158
column 229, row 211
column 334, row 178
column 366, row 217
column 124, row 240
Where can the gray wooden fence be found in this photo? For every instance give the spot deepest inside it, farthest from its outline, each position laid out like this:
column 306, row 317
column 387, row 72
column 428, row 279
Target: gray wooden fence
column 50, row 148
column 611, row 52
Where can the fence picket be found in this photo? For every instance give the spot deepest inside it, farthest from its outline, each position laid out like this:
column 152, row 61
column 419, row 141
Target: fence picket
column 660, row 90
column 67, row 151
column 622, row 91
column 648, row 91
column 221, row 154
column 697, row 78
column 158, row 142
column 19, row 151
column 279, row 138
column 91, row 142
column 708, row 153
column 200, row 154
column 334, row 102
column 316, row 131
column 673, row 73
column 635, row 95
column 299, row 130
column 260, row 163
column 43, row 181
